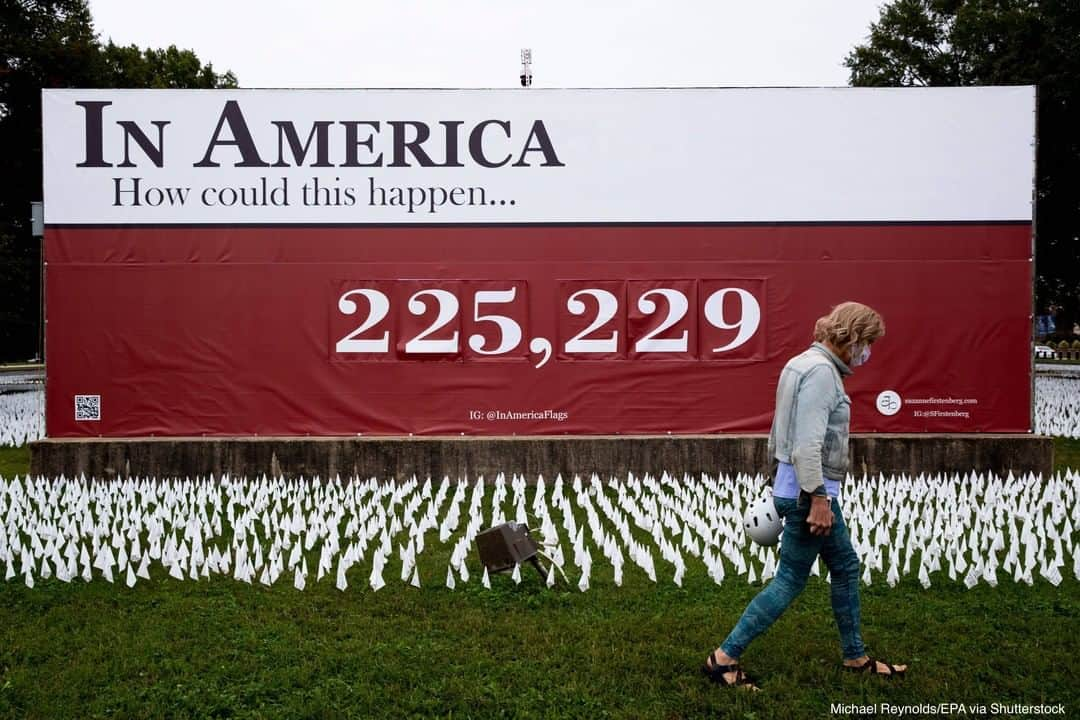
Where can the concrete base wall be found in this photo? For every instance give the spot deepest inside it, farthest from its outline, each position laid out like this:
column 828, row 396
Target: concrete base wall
column 385, row 457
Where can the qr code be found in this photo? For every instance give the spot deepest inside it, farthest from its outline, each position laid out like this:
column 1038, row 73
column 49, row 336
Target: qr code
column 87, row 407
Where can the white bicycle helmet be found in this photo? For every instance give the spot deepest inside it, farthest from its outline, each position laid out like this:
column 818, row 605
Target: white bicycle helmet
column 761, row 521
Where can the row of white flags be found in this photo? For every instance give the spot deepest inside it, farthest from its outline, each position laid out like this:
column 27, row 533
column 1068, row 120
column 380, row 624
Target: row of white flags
column 22, row 417
column 1057, row 405
column 971, row 528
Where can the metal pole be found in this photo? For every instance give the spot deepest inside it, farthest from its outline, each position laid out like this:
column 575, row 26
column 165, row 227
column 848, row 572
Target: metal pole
column 40, row 354
column 37, row 229
column 526, row 67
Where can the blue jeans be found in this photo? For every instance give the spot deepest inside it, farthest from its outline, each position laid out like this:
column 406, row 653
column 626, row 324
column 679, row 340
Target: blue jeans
column 798, row 551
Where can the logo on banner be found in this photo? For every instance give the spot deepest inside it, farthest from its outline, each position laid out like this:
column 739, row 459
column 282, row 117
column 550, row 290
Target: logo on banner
column 888, row 403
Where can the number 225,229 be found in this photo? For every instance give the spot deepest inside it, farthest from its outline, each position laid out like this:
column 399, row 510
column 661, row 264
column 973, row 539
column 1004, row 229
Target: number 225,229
column 395, row 320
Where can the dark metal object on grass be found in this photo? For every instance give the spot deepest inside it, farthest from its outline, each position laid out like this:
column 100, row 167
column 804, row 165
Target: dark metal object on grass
column 504, row 546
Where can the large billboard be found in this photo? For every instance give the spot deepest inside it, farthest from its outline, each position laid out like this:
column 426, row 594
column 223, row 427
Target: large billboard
column 498, row 262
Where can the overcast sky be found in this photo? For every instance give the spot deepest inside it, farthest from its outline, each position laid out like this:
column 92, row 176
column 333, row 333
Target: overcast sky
column 467, row 43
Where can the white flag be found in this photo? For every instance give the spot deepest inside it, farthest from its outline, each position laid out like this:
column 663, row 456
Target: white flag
column 143, row 570
column 583, row 584
column 1051, row 573
column 376, row 581
column 341, row 583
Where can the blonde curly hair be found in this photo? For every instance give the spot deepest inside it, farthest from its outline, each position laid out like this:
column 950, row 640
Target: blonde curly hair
column 849, row 323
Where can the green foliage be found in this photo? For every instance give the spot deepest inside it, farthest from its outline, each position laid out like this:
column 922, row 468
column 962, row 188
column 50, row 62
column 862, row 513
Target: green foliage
column 52, row 44
column 42, row 44
column 131, row 67
column 1001, row 42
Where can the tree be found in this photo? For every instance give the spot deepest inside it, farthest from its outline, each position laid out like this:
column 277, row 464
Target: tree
column 1001, row 42
column 42, row 44
column 51, row 44
column 130, row 67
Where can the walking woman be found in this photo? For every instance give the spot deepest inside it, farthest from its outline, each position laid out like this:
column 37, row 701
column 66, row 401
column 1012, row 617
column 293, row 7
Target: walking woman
column 809, row 446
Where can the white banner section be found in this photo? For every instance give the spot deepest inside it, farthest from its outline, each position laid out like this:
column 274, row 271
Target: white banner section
column 538, row 156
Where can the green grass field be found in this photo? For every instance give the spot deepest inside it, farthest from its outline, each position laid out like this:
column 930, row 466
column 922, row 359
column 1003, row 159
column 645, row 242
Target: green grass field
column 14, row 460
column 1066, row 454
column 221, row 648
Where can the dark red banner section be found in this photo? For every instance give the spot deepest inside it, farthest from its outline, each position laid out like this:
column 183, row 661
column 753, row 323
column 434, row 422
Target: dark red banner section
column 500, row 330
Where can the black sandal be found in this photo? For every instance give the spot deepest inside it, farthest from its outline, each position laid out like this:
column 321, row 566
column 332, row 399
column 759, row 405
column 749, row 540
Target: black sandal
column 715, row 672
column 871, row 666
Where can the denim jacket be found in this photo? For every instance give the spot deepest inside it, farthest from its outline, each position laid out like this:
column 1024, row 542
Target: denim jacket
column 812, row 419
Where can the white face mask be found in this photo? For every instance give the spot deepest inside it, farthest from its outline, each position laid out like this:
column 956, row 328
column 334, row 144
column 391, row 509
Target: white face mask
column 859, row 355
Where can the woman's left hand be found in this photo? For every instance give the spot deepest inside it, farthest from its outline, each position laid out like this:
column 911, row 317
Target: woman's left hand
column 821, row 516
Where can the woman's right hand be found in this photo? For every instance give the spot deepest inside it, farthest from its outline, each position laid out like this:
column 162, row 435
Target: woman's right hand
column 820, row 519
